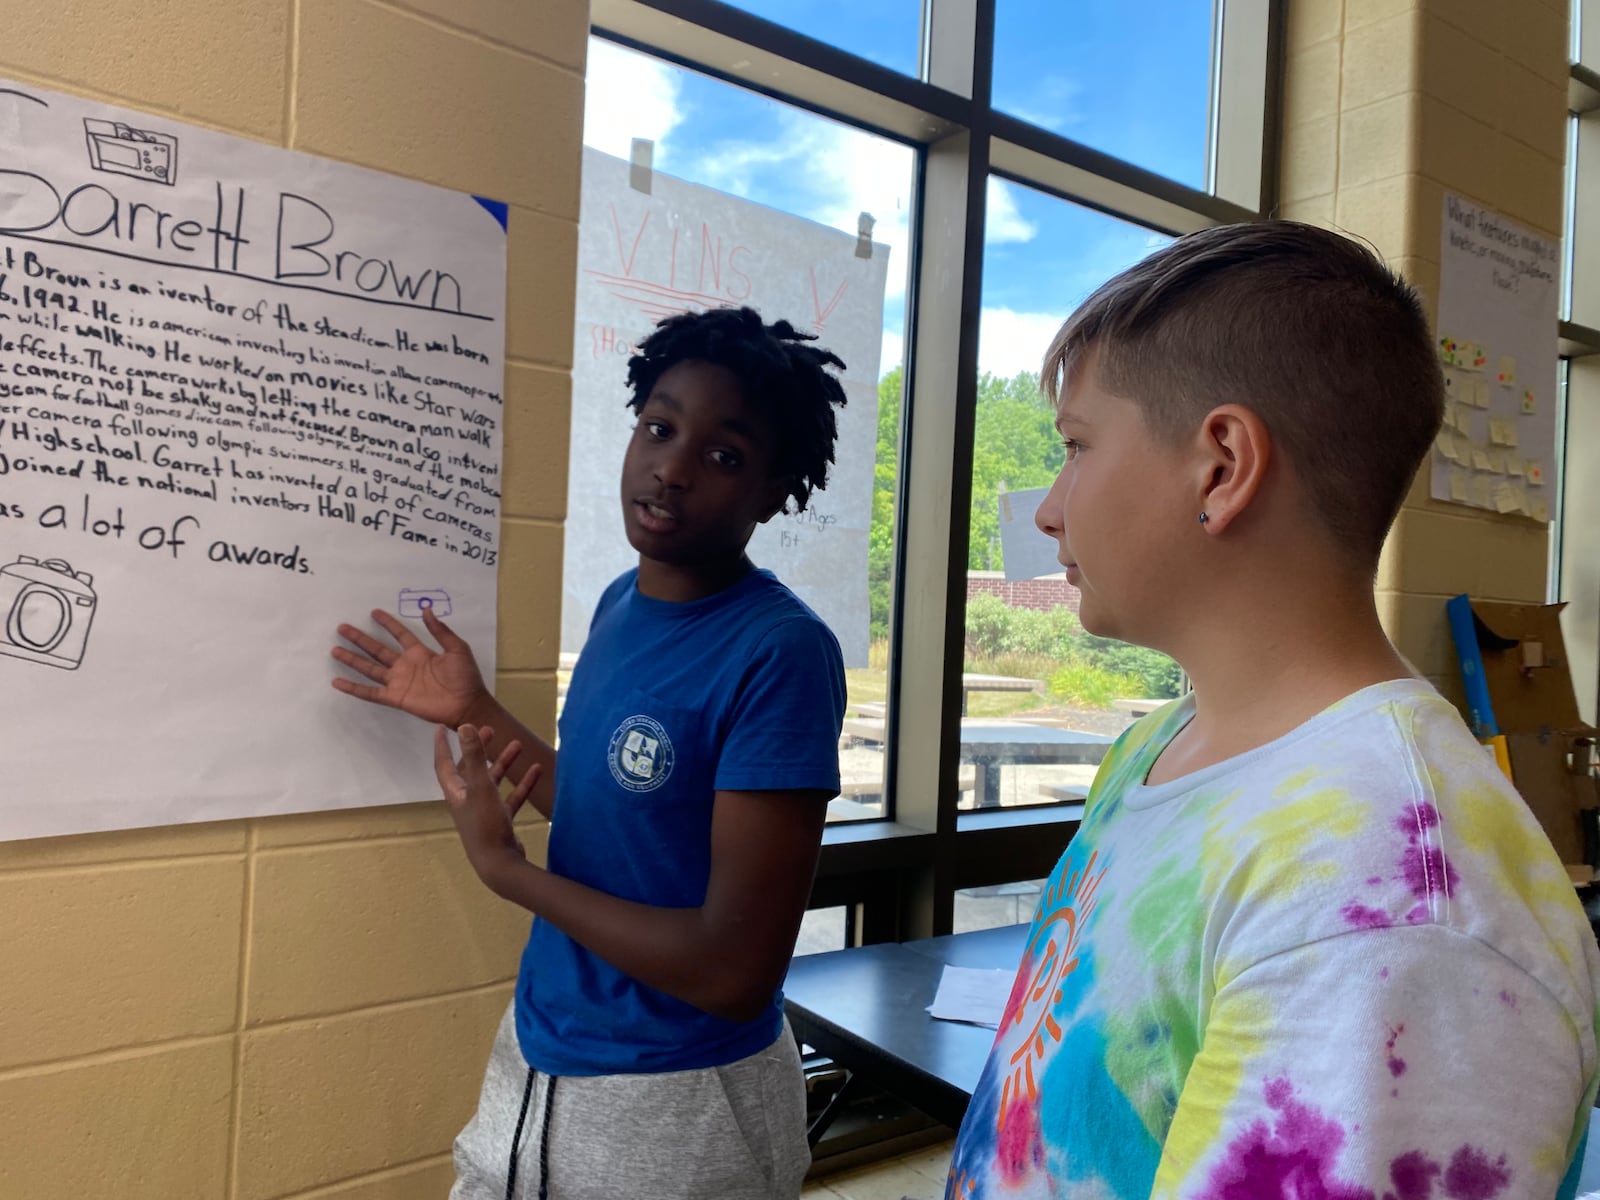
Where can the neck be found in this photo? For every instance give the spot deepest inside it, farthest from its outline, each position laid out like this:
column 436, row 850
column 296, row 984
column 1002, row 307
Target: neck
column 681, row 583
column 1271, row 666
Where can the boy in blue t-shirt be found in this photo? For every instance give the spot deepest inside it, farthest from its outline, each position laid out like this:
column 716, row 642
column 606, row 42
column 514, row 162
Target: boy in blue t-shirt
column 645, row 1052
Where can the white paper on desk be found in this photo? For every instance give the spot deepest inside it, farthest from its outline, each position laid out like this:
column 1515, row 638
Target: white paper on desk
column 975, row 995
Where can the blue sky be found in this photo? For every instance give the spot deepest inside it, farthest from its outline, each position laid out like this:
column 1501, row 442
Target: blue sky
column 1129, row 77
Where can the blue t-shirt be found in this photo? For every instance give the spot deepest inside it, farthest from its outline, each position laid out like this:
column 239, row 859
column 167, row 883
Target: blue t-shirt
column 670, row 702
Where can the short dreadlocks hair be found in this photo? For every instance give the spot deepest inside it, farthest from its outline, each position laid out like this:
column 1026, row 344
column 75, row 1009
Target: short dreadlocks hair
column 776, row 370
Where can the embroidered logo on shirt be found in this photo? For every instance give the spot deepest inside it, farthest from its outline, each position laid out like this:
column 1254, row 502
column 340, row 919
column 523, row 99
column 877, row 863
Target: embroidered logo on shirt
column 640, row 754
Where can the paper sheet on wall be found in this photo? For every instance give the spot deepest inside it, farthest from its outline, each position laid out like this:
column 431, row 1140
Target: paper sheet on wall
column 1497, row 344
column 245, row 394
column 677, row 247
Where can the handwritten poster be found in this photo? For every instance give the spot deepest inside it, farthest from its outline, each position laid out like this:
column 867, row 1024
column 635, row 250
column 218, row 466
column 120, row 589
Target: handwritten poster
column 245, row 394
column 1498, row 308
column 677, row 247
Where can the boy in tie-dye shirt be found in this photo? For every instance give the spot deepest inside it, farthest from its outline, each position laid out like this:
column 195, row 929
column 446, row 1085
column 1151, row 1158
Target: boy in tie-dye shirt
column 1308, row 942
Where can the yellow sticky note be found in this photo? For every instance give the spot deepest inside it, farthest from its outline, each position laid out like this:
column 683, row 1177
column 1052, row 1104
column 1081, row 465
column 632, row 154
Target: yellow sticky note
column 1507, row 498
column 1480, row 393
column 1507, row 375
column 1514, row 466
column 1497, row 461
column 1508, row 432
column 1482, row 491
column 1539, row 510
column 1480, row 459
column 1458, row 487
column 1445, row 444
column 1535, row 475
column 1530, row 403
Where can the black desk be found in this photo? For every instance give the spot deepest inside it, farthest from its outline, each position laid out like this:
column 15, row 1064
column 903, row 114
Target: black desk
column 866, row 1008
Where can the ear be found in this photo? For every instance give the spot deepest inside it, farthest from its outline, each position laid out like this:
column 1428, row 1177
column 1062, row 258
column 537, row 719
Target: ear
column 1236, row 450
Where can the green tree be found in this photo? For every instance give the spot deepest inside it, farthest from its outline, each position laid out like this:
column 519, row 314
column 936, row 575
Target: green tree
column 880, row 540
column 1016, row 446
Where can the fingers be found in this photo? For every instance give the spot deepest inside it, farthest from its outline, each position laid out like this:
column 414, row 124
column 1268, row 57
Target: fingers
column 444, row 767
column 375, row 671
column 501, row 766
column 395, row 629
column 474, row 764
column 447, row 638
column 368, row 644
column 524, row 789
column 360, row 691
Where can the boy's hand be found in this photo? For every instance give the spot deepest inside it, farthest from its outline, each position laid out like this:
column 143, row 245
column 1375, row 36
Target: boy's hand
column 442, row 686
column 472, row 790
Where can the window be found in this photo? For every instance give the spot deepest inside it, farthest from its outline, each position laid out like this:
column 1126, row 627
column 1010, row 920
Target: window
column 1575, row 557
column 1001, row 192
column 824, row 929
column 1029, row 660
column 887, row 32
column 737, row 198
column 1132, row 79
column 995, row 905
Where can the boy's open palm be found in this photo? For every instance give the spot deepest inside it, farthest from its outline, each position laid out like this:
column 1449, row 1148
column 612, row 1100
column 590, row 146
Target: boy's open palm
column 440, row 686
column 471, row 785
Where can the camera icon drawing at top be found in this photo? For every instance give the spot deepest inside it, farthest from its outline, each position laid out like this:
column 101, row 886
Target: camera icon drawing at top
column 415, row 601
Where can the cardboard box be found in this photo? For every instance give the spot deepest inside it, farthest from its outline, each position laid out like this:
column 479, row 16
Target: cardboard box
column 1521, row 703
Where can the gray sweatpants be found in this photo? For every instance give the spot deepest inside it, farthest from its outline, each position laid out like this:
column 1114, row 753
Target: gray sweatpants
column 723, row 1133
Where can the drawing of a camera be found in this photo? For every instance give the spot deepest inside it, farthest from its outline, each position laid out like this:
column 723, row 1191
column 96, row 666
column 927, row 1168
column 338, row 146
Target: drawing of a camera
column 415, row 601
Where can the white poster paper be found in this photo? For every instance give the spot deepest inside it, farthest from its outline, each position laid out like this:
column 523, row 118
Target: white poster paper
column 1025, row 552
column 680, row 247
column 245, row 394
column 1498, row 308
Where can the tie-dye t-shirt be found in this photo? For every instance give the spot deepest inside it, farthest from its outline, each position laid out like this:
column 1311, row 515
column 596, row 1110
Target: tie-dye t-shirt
column 1344, row 965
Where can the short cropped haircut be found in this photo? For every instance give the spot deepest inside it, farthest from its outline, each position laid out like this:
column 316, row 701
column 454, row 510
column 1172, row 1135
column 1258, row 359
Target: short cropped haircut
column 777, row 371
column 1306, row 328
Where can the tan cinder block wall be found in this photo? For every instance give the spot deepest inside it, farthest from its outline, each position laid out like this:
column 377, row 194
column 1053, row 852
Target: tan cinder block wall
column 1388, row 104
column 302, row 1006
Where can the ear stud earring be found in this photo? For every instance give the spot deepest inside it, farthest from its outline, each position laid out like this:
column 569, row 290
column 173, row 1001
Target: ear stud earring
column 1205, row 518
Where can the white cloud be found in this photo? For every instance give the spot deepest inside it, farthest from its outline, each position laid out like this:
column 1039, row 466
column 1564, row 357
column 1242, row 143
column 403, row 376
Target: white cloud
column 894, row 348
column 731, row 167
column 627, row 96
column 1053, row 104
column 1009, row 342
column 1004, row 221
column 833, row 174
